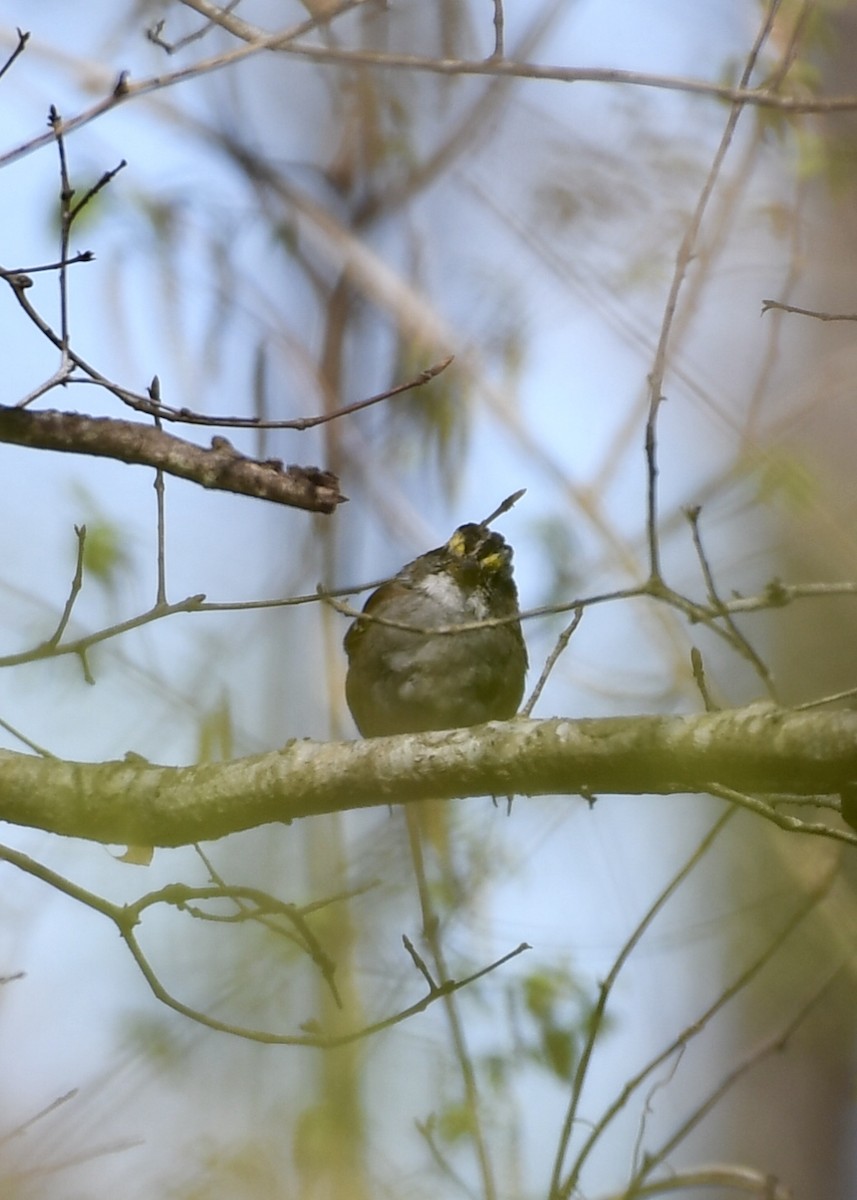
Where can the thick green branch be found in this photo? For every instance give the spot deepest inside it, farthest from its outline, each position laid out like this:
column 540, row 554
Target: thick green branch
column 755, row 749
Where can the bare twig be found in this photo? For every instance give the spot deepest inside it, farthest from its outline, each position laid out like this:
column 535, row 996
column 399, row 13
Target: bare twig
column 561, row 1189
column 739, row 641
column 782, row 820
column 683, row 258
column 126, row 917
column 551, row 661
column 23, row 38
column 20, row 282
column 460, row 1048
column 15, row 274
column 767, row 305
column 499, row 30
column 60, row 376
column 697, row 666
column 90, row 193
column 807, row 904
column 26, row 741
column 161, row 590
column 186, row 416
column 504, row 506
column 258, row 43
column 155, row 32
column 76, row 584
column 772, row 1045
column 287, row 40
column 80, row 646
column 66, row 194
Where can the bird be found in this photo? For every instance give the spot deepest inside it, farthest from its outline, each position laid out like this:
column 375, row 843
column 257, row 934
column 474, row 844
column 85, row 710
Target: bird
column 410, row 670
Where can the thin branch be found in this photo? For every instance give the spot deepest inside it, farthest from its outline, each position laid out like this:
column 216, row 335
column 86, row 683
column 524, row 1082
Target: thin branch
column 559, row 1190
column 128, row 90
column 773, row 1045
column 66, row 194
column 782, row 820
column 767, row 305
column 20, row 282
column 252, row 904
column 499, row 30
column 81, row 645
column 426, row 1130
column 740, row 94
column 54, row 1104
column 23, row 38
column 126, row 917
column 187, row 416
column 154, row 34
column 463, row 1058
column 775, row 596
column 287, row 41
column 733, row 1178
column 60, row 376
column 697, row 666
column 551, row 661
column 739, row 641
column 16, row 275
column 90, row 193
column 418, row 961
column 682, row 263
column 26, row 741
column 807, row 905
column 161, row 554
column 76, row 584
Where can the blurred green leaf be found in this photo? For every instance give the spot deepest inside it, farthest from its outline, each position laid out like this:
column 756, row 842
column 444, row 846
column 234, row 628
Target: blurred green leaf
column 454, row 1123
column 215, row 735
column 783, row 478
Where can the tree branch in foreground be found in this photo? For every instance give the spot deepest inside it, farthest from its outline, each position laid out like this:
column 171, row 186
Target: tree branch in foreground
column 756, row 749
column 219, row 466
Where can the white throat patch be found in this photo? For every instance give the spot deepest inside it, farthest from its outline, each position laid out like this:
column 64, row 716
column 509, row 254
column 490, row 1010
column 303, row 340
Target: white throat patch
column 446, row 593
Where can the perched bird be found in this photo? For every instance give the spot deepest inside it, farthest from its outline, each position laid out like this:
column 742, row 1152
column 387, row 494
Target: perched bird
column 406, row 680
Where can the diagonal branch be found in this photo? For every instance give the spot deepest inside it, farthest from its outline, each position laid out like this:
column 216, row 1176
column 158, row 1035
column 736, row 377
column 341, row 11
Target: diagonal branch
column 219, row 466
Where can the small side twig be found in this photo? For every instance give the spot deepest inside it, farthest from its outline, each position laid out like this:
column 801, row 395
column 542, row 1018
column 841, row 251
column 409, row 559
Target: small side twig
column 189, row 417
column 66, row 195
column 42, row 751
column 773, row 1045
column 95, row 189
column 739, row 641
column 23, row 38
column 499, row 30
column 698, row 667
column 18, row 275
column 419, row 962
column 155, row 31
column 682, row 263
column 126, row 917
column 158, row 485
column 74, row 591
column 561, row 1188
column 767, row 305
column 551, row 661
